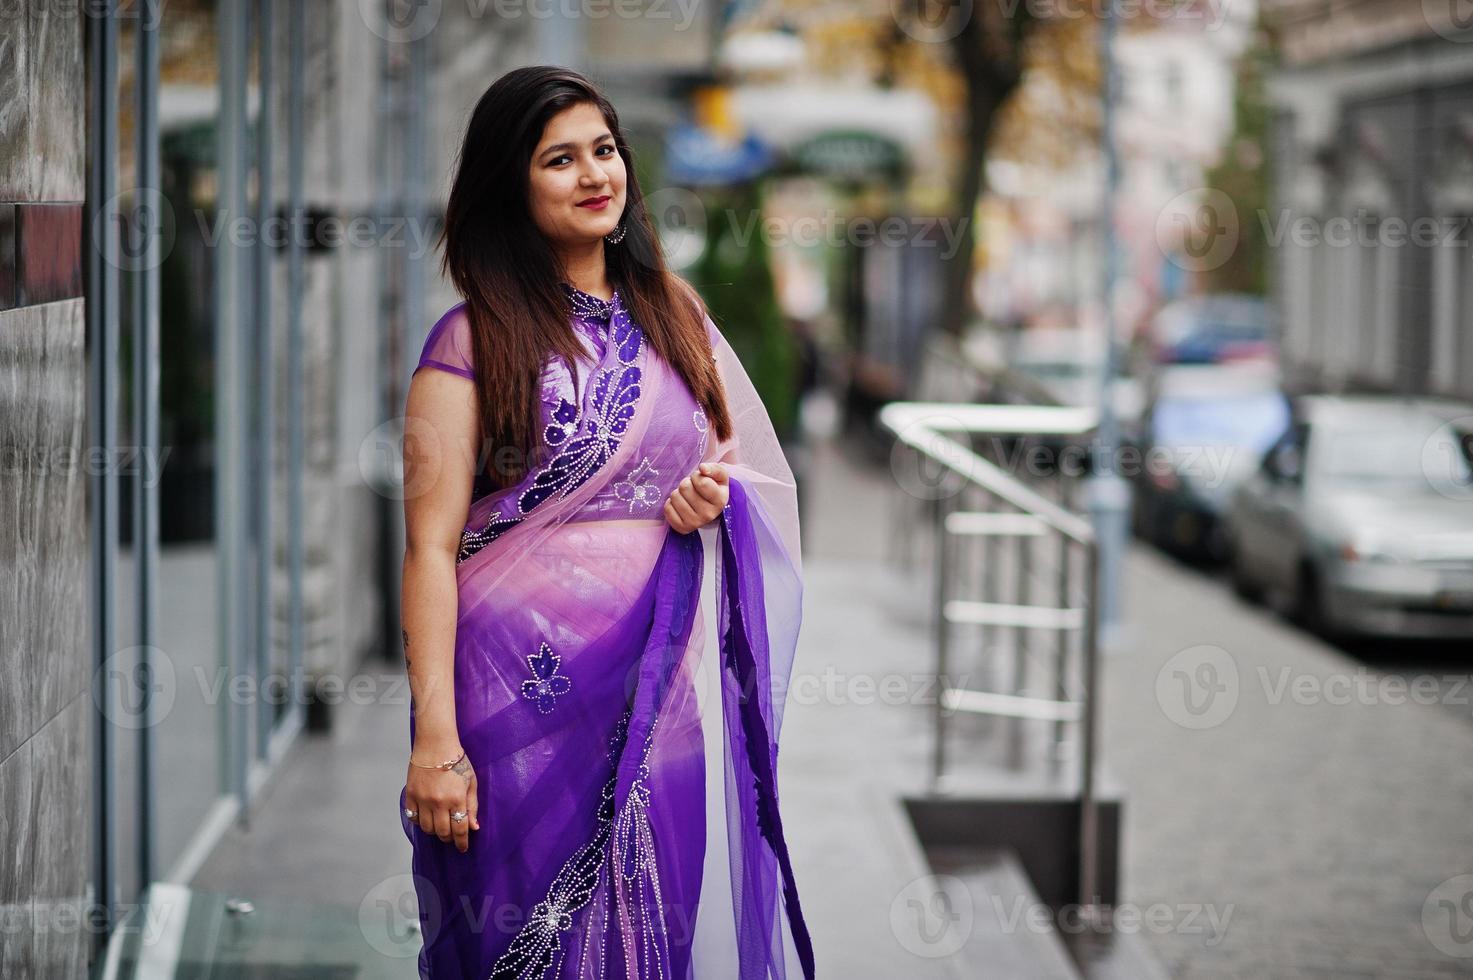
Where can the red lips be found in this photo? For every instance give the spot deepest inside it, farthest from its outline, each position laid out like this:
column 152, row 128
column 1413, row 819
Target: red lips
column 594, row 202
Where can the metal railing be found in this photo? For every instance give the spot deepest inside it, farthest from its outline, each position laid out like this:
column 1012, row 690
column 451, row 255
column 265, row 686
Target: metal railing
column 1022, row 597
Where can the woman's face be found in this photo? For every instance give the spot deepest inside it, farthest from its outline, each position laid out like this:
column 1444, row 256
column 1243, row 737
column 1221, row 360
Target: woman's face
column 574, row 161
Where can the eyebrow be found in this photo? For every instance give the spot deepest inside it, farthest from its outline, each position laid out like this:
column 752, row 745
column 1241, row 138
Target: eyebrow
column 573, row 146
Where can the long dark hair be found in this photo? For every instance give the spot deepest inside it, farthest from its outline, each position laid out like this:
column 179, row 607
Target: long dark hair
column 508, row 272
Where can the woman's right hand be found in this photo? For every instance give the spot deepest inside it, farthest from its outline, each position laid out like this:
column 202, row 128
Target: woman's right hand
column 436, row 793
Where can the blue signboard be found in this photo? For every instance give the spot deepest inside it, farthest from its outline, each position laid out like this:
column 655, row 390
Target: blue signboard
column 696, row 156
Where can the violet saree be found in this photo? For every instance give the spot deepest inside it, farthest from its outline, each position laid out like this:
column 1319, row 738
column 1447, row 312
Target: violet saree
column 628, row 797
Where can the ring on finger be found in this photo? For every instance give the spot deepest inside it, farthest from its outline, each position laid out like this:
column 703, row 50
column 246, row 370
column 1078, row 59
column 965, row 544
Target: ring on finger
column 411, row 814
column 458, row 816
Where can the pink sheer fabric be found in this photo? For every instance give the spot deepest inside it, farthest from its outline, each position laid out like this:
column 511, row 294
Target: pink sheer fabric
column 592, row 705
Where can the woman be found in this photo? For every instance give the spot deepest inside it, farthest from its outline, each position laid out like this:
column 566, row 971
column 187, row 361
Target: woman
column 558, row 798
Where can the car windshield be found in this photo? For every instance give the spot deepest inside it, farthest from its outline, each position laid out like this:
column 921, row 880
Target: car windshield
column 1226, row 332
column 1225, row 322
column 1421, row 456
column 1251, row 420
column 1054, row 370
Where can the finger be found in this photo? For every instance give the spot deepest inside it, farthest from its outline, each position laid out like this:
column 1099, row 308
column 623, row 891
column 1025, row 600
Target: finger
column 673, row 518
column 709, row 490
column 686, row 511
column 411, row 804
column 706, row 503
column 473, row 803
column 426, row 818
column 461, row 831
column 716, row 472
column 442, row 823
column 691, row 495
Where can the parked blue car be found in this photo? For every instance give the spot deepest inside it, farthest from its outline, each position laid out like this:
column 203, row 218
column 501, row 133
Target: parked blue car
column 1213, row 329
column 1202, row 432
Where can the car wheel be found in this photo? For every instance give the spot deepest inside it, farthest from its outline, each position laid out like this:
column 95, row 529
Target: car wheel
column 1216, row 545
column 1140, row 523
column 1308, row 609
column 1243, row 586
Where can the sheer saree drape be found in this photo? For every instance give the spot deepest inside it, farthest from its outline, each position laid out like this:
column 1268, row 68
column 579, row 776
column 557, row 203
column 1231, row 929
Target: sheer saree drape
column 610, row 844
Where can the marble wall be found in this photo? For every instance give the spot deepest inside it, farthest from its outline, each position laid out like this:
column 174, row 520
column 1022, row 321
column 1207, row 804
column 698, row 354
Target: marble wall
column 44, row 655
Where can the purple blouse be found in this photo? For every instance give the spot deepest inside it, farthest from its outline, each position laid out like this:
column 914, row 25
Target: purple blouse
column 448, row 348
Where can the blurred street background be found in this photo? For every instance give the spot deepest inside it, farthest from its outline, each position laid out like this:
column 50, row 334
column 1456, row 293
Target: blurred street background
column 1122, row 351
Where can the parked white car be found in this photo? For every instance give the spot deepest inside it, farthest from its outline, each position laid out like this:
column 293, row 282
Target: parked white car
column 1361, row 514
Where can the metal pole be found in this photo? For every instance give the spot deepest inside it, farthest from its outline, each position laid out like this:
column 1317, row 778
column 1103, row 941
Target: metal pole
column 1089, row 832
column 264, row 468
column 1022, row 596
column 940, row 586
column 1107, row 493
column 230, row 377
column 102, row 383
column 1061, row 642
column 147, row 201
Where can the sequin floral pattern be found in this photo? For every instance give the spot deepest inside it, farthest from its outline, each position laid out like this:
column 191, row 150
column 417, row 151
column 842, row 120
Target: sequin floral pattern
column 583, row 444
column 639, row 490
column 698, row 419
column 546, row 685
column 622, row 844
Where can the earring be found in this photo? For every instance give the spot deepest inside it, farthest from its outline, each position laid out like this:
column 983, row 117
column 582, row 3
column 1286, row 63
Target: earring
column 617, row 235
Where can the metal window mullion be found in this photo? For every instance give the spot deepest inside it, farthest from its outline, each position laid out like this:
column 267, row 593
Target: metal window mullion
column 265, row 379
column 229, row 396
column 146, row 298
column 416, row 144
column 391, row 190
column 102, row 382
column 295, row 372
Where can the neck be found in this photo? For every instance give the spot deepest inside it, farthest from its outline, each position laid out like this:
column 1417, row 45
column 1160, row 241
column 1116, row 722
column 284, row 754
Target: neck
column 585, row 268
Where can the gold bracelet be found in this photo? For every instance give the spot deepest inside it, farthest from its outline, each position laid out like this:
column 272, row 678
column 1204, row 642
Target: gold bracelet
column 445, row 766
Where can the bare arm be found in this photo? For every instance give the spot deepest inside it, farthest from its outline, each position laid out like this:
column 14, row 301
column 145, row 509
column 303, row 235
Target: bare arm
column 439, row 467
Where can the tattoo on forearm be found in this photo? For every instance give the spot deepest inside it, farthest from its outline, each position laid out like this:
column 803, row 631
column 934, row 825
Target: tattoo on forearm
column 463, row 767
column 406, row 645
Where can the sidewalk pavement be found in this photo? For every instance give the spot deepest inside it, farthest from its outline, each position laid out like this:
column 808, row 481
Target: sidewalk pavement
column 1332, row 825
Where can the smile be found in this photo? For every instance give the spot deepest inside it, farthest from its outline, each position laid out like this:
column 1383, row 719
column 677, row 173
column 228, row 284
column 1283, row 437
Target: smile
column 595, row 203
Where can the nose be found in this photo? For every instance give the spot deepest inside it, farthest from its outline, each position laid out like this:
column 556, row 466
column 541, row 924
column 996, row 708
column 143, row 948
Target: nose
column 594, row 174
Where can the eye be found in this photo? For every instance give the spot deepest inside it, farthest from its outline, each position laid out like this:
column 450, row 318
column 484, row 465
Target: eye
column 555, row 161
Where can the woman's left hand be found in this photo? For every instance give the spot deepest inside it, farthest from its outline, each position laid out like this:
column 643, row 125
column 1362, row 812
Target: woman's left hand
column 699, row 499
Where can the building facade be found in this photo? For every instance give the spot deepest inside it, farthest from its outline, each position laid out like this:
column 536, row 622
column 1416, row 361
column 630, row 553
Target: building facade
column 45, row 712
column 1371, row 220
